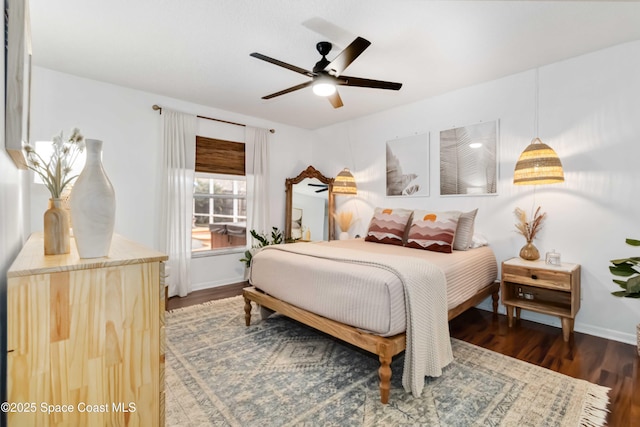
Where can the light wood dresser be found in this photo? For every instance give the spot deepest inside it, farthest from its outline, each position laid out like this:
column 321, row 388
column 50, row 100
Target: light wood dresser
column 85, row 337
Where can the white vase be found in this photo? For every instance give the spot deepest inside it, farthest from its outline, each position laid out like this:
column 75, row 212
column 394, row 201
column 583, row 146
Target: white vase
column 93, row 206
column 343, row 235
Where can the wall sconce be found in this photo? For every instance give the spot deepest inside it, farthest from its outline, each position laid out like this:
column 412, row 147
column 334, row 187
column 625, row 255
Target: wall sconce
column 345, row 183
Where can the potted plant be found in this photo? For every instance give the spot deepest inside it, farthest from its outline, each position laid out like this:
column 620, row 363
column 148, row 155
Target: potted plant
column 263, row 240
column 629, row 269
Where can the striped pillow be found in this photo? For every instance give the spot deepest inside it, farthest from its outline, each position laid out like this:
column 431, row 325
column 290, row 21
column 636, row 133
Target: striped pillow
column 464, row 232
column 388, row 226
column 433, row 231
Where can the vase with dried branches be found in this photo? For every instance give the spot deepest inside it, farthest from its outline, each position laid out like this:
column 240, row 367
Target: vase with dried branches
column 345, row 220
column 56, row 174
column 529, row 229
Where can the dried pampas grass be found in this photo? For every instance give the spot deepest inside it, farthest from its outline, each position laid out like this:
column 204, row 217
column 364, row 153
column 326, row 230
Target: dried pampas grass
column 345, row 220
column 529, row 229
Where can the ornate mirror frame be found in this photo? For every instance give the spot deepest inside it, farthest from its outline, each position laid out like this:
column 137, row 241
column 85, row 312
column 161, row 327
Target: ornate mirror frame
column 309, row 172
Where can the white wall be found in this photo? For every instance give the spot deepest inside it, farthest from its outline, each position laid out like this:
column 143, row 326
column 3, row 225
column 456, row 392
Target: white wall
column 130, row 129
column 589, row 110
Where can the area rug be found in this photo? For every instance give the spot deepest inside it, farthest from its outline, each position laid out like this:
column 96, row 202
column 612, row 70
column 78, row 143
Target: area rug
column 278, row 372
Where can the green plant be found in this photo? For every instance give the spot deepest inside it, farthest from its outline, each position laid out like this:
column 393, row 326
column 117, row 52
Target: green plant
column 263, row 240
column 629, row 268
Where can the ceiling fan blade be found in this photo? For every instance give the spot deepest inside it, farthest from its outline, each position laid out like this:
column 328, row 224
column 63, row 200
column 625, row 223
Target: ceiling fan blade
column 318, row 185
column 335, row 100
column 282, row 64
column 376, row 84
column 321, row 190
column 339, row 36
column 347, row 56
column 291, row 89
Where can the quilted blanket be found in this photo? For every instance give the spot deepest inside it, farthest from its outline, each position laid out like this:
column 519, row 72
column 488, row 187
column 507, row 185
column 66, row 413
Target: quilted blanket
column 428, row 343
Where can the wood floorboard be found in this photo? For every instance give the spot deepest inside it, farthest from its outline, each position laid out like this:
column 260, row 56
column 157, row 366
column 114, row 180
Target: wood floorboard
column 609, row 363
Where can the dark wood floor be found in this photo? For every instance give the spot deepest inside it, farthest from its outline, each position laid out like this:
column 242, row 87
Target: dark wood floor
column 598, row 360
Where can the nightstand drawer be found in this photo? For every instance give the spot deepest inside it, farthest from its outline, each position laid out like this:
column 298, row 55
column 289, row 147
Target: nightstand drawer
column 537, row 277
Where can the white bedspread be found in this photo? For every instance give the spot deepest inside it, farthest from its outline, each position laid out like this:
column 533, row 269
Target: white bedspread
column 428, row 343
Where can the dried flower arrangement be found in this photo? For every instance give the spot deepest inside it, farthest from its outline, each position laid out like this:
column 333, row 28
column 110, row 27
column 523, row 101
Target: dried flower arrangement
column 529, row 229
column 55, row 172
column 345, row 220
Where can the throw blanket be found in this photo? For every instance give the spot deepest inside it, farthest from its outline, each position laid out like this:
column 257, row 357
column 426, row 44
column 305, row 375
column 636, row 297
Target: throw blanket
column 428, row 343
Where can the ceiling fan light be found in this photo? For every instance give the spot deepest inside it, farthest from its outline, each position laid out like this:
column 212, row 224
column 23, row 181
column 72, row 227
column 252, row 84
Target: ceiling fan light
column 324, row 89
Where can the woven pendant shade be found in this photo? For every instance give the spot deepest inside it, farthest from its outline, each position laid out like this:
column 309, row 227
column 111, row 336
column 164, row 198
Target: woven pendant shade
column 345, row 183
column 538, row 164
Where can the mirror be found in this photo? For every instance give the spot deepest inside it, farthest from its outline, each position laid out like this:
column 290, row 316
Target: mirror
column 309, row 210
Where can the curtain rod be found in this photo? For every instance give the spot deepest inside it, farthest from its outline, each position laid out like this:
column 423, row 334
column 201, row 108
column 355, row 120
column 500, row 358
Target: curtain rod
column 156, row 107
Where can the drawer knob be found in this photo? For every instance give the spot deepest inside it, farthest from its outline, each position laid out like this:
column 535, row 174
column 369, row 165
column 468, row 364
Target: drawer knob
column 534, row 277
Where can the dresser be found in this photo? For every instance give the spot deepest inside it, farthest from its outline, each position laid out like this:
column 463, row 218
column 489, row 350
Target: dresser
column 85, row 337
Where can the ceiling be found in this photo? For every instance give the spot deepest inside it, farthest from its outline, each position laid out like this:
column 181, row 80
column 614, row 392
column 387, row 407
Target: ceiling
column 198, row 50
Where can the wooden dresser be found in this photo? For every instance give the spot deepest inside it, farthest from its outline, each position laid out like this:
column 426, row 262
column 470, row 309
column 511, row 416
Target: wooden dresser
column 85, row 337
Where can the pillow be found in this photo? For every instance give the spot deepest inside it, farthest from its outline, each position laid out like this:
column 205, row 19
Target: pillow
column 464, row 232
column 433, row 231
column 479, row 240
column 388, row 226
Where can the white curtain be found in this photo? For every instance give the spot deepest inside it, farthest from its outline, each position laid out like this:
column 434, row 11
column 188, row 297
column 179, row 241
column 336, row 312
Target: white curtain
column 176, row 210
column 259, row 138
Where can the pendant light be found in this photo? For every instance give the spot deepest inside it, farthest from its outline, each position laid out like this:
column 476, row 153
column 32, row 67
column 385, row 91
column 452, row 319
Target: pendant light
column 538, row 163
column 345, row 183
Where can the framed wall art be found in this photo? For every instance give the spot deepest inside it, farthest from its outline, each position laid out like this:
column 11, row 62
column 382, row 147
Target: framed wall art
column 408, row 166
column 17, row 79
column 469, row 160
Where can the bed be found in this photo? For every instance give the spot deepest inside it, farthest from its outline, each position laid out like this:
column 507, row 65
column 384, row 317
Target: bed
column 376, row 296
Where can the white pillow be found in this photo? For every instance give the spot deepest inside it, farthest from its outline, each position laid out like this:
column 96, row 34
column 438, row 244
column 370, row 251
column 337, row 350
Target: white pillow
column 464, row 231
column 478, row 241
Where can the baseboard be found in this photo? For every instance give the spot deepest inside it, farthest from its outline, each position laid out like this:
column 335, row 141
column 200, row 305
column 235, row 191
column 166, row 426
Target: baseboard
column 555, row 321
column 215, row 284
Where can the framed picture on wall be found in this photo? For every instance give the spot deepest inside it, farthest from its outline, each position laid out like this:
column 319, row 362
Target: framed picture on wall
column 469, row 160
column 17, row 79
column 408, row 166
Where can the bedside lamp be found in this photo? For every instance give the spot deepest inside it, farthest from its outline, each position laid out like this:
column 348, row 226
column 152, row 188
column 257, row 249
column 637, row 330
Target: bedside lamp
column 538, row 164
column 345, row 183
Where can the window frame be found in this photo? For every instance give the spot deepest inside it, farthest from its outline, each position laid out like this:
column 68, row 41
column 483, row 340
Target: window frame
column 210, row 196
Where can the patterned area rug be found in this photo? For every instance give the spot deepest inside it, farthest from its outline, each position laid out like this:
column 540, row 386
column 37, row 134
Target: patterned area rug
column 280, row 373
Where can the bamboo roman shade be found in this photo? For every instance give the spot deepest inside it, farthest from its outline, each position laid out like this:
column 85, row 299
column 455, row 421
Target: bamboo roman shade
column 219, row 156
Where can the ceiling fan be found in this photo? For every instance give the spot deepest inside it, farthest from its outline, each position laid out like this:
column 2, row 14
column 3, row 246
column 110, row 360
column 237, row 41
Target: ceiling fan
column 323, row 187
column 326, row 75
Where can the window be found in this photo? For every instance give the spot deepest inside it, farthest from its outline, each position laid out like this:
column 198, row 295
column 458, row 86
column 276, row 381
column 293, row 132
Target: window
column 219, row 196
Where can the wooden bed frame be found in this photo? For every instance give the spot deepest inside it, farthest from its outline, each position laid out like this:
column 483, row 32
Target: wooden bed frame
column 384, row 347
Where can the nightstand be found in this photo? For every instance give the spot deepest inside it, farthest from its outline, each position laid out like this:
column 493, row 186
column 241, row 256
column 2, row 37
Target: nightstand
column 540, row 287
